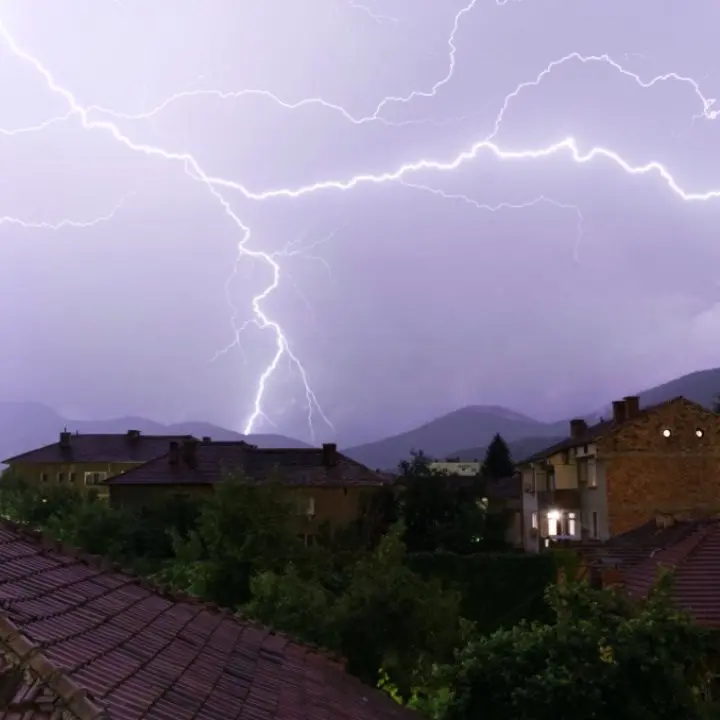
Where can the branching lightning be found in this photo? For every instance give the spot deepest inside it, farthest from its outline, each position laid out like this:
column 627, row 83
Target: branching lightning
column 217, row 186
column 65, row 222
column 510, row 206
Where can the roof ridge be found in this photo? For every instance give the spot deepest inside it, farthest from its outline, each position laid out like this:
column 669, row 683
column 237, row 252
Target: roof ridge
column 48, row 543
column 29, row 655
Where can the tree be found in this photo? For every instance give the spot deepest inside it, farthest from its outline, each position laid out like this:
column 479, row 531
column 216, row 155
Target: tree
column 603, row 658
column 390, row 618
column 243, row 529
column 716, row 403
column 498, row 461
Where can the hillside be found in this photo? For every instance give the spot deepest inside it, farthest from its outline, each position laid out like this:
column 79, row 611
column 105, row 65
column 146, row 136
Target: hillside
column 473, row 427
column 469, row 427
column 519, row 449
column 24, row 426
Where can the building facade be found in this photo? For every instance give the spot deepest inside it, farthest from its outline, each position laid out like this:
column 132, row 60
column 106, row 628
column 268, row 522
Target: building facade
column 607, row 478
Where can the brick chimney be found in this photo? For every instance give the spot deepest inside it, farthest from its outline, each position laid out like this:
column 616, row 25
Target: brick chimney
column 578, row 427
column 632, row 406
column 189, row 452
column 329, row 454
column 619, row 411
column 174, row 454
column 65, row 438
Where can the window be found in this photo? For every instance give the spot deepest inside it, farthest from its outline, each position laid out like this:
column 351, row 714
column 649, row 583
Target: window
column 585, row 449
column 306, row 505
column 595, row 532
column 534, row 521
column 553, row 517
column 572, row 526
column 592, row 474
column 95, row 478
column 61, row 477
column 43, row 477
column 71, row 477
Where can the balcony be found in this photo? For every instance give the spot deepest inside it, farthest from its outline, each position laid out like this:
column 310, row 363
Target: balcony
column 560, row 499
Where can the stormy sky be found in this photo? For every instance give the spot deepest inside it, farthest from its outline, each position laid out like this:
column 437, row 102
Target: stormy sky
column 401, row 299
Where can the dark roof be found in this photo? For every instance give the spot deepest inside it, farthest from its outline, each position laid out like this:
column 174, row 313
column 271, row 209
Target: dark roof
column 208, row 461
column 632, row 547
column 130, row 447
column 695, row 560
column 100, row 644
column 594, row 432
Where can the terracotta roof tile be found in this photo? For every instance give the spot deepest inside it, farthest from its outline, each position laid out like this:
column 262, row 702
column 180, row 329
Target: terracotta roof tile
column 101, row 644
column 695, row 560
column 205, row 463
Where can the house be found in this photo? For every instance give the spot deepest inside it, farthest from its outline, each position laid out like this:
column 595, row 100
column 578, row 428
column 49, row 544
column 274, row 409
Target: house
column 690, row 548
column 82, row 640
column 610, row 477
column 457, row 467
column 327, row 486
column 87, row 460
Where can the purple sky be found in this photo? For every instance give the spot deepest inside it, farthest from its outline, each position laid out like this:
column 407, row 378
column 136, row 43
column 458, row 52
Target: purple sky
column 401, row 304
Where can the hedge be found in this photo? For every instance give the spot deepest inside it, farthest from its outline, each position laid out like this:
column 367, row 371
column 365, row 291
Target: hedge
column 498, row 589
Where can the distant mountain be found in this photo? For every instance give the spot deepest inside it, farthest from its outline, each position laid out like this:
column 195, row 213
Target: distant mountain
column 469, row 427
column 519, row 449
column 473, row 427
column 25, row 426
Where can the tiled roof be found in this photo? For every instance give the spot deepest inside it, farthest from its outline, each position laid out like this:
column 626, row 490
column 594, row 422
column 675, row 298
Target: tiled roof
column 79, row 448
column 100, row 644
column 695, row 560
column 208, row 461
column 634, row 546
column 594, row 432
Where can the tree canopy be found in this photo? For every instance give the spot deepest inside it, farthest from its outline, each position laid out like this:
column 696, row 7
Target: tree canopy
column 498, row 460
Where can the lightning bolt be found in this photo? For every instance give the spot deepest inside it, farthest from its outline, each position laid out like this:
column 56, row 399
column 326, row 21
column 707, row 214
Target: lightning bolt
column 217, row 185
column 510, row 206
column 65, row 222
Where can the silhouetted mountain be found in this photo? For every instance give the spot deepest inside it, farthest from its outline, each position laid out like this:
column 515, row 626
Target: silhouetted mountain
column 473, row 427
column 468, row 427
column 24, row 426
column 519, row 449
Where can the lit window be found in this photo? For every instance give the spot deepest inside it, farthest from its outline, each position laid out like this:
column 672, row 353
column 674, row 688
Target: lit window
column 95, row 478
column 534, row 521
column 699, row 432
column 571, row 524
column 666, row 433
column 553, row 516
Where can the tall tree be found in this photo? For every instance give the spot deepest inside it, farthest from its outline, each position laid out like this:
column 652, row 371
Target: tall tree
column 498, row 461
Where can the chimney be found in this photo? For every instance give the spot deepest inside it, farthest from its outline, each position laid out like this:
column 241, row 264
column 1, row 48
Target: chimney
column 65, row 438
column 133, row 435
column 329, row 454
column 619, row 411
column 174, row 454
column 206, row 439
column 189, row 452
column 578, row 427
column 632, row 406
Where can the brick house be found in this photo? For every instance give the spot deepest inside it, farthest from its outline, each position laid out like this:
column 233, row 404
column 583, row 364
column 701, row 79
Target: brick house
column 82, row 640
column 610, row 477
column 327, row 486
column 88, row 460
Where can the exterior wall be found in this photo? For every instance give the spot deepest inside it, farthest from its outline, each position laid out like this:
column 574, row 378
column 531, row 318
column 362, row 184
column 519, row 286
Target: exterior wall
column 650, row 474
column 529, row 509
column 457, row 468
column 33, row 472
column 336, row 506
column 595, row 500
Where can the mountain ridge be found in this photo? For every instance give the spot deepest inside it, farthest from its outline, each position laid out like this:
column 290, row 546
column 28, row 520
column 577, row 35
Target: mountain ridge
column 27, row 425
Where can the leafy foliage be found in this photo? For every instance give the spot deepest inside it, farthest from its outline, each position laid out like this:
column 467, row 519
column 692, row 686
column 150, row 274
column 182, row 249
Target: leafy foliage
column 602, row 658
